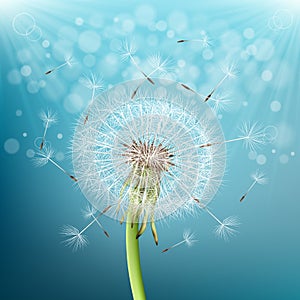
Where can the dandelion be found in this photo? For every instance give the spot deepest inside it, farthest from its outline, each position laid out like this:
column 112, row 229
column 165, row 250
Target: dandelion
column 143, row 158
column 188, row 238
column 161, row 66
column 44, row 156
column 76, row 238
column 225, row 229
column 94, row 83
column 69, row 61
column 252, row 135
column 128, row 50
column 229, row 72
column 258, row 178
column 49, row 118
column 90, row 212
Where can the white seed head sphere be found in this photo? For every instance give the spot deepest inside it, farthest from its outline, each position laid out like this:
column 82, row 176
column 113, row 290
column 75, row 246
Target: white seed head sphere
column 147, row 147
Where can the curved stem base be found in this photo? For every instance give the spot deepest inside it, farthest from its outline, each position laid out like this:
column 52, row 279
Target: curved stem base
column 133, row 262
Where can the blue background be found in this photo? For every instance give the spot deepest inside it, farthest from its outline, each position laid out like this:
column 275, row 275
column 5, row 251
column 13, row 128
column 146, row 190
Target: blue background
column 262, row 261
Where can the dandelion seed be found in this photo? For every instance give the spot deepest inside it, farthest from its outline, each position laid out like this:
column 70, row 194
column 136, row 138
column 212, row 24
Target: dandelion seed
column 220, row 103
column 93, row 83
column 229, row 71
column 205, row 41
column 161, row 66
column 187, row 87
column 44, row 156
column 49, row 118
column 69, row 61
column 258, row 177
column 225, row 229
column 188, row 239
column 90, row 212
column 127, row 51
column 75, row 238
column 253, row 136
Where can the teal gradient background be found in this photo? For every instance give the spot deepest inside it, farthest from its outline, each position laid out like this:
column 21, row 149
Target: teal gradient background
column 262, row 261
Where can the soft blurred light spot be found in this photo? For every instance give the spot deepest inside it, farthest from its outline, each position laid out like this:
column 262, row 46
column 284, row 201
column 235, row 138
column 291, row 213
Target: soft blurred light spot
column 45, row 43
column 178, row 21
column 249, row 33
column 89, row 41
column 284, row 159
column 14, row 77
column 261, row 159
column 19, row 113
column 161, row 25
column 24, row 56
column 266, row 75
column 89, row 60
column 30, row 153
column 33, row 87
column 252, row 155
column 275, row 106
column 145, row 14
column 25, row 70
column 265, row 49
column 207, row 54
column 170, row 34
column 73, row 103
column 79, row 21
column 59, row 156
column 128, row 25
column 35, row 34
column 11, row 146
column 23, row 23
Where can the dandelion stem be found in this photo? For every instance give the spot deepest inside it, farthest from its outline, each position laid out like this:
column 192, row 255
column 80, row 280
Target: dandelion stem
column 212, row 215
column 138, row 67
column 44, row 135
column 133, row 262
column 249, row 189
column 224, row 142
column 62, row 169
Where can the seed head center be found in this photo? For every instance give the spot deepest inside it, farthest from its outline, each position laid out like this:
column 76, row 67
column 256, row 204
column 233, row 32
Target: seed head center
column 147, row 155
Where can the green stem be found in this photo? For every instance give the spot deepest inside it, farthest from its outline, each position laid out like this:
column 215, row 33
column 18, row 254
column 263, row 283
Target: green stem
column 133, row 262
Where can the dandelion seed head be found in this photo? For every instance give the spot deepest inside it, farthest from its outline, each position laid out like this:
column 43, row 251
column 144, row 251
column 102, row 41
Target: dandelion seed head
column 220, row 102
column 42, row 157
column 162, row 66
column 89, row 211
column 92, row 82
column 127, row 49
column 229, row 69
column 206, row 41
column 189, row 238
column 228, row 227
column 259, row 177
column 69, row 60
column 148, row 148
column 48, row 117
column 74, row 238
column 253, row 135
